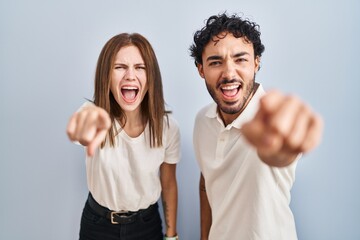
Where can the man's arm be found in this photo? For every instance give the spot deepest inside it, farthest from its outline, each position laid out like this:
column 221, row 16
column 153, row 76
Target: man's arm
column 205, row 210
column 169, row 197
column 283, row 128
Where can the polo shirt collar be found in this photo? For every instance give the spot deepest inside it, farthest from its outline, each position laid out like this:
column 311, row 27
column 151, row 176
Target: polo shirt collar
column 248, row 113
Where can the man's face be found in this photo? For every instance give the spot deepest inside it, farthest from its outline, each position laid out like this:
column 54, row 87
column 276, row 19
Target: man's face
column 229, row 68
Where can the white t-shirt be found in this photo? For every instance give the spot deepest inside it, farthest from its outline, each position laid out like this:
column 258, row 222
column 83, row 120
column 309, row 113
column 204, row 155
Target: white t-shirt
column 249, row 199
column 126, row 177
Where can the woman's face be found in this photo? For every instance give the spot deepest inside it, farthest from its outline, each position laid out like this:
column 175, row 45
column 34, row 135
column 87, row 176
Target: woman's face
column 128, row 80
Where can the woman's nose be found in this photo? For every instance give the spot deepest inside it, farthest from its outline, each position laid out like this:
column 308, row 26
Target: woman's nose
column 130, row 74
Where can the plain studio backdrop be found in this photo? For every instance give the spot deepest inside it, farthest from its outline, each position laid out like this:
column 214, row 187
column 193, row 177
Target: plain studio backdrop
column 48, row 54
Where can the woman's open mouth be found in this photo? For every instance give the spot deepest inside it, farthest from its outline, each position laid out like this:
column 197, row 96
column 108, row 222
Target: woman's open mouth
column 129, row 93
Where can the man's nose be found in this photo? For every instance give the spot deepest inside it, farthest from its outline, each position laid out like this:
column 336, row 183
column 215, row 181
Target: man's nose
column 229, row 71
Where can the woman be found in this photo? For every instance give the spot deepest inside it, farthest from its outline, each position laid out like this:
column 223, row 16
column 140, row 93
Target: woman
column 133, row 145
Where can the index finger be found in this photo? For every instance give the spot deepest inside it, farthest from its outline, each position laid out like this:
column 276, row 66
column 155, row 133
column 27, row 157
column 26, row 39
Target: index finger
column 271, row 101
column 281, row 111
column 71, row 126
column 100, row 136
column 104, row 120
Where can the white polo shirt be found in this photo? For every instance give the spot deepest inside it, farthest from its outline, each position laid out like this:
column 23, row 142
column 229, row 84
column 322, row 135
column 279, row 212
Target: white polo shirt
column 249, row 199
column 126, row 177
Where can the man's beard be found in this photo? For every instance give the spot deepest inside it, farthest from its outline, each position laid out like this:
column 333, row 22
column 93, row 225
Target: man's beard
column 233, row 107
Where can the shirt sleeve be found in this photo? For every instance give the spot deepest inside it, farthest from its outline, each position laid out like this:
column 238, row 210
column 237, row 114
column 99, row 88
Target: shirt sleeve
column 172, row 141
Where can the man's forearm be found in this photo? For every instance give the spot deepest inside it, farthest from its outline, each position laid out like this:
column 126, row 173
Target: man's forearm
column 205, row 211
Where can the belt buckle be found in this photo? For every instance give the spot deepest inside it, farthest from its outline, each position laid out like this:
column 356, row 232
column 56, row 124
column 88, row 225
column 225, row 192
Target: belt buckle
column 113, row 214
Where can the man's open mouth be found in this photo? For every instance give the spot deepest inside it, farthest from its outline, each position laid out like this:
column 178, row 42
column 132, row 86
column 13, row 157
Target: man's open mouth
column 230, row 90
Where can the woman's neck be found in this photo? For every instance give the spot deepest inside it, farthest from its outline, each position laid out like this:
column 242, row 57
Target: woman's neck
column 135, row 124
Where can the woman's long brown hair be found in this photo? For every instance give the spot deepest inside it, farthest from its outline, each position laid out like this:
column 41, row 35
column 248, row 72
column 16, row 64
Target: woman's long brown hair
column 153, row 104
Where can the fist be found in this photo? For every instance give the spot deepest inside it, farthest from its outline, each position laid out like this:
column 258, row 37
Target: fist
column 282, row 128
column 89, row 127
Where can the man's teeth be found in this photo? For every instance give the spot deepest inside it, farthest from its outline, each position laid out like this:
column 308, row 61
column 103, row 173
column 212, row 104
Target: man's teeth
column 230, row 87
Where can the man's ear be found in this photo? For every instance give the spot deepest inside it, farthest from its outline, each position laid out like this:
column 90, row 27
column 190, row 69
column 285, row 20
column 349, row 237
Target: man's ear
column 257, row 63
column 200, row 70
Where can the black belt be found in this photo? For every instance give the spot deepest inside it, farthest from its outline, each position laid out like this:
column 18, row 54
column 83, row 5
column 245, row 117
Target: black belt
column 118, row 217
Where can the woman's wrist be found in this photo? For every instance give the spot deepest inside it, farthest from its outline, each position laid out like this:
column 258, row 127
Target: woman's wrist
column 171, row 238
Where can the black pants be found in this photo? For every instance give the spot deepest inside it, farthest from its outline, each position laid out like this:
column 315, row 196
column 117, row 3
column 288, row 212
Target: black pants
column 147, row 226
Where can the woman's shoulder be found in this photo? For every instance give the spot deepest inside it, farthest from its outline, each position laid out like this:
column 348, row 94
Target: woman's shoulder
column 171, row 131
column 170, row 121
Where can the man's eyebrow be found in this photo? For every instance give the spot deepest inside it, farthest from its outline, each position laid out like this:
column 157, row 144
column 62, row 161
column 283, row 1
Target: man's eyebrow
column 236, row 55
column 214, row 57
column 240, row 54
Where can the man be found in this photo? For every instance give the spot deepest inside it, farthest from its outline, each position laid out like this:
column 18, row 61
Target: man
column 247, row 143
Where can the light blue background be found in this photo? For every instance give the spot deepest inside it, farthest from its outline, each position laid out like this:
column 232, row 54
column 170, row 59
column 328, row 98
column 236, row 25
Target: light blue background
column 48, row 53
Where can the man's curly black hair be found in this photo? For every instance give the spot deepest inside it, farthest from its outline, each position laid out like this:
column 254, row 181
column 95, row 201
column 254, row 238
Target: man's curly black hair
column 233, row 24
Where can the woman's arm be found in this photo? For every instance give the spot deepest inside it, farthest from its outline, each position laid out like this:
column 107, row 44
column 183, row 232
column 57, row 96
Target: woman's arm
column 169, row 197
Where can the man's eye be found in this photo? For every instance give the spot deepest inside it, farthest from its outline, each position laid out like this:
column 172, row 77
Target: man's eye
column 215, row 63
column 241, row 60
